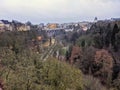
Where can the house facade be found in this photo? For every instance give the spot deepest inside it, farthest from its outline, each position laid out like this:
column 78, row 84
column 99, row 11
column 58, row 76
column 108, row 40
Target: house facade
column 5, row 26
column 13, row 26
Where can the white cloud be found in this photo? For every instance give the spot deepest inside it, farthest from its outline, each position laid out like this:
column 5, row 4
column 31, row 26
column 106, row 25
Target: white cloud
column 58, row 10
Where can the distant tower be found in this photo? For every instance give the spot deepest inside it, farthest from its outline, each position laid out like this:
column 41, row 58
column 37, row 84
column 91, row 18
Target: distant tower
column 96, row 19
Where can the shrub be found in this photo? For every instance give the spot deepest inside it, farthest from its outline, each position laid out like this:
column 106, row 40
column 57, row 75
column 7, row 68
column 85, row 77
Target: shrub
column 91, row 83
column 60, row 76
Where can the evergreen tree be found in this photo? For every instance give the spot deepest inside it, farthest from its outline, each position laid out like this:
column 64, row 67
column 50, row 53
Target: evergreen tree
column 113, row 37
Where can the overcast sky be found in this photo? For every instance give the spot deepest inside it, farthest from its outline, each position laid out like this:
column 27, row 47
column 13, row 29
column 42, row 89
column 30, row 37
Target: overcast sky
column 38, row 11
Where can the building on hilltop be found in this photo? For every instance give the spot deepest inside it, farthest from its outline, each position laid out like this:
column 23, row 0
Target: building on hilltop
column 52, row 25
column 115, row 19
column 95, row 20
column 41, row 26
column 18, row 26
column 5, row 25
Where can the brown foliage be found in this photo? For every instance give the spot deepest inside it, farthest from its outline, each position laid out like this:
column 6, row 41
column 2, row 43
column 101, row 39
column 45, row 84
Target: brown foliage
column 76, row 54
column 104, row 57
column 104, row 63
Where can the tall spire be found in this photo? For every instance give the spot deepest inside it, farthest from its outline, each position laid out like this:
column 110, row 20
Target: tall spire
column 96, row 19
